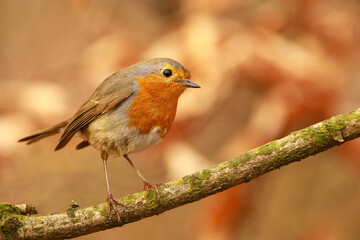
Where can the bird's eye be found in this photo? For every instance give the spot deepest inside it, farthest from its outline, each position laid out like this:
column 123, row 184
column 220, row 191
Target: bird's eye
column 167, row 72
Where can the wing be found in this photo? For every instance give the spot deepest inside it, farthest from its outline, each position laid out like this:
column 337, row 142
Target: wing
column 108, row 94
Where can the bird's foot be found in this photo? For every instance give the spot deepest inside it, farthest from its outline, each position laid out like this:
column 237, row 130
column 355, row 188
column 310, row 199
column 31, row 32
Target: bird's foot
column 148, row 186
column 113, row 203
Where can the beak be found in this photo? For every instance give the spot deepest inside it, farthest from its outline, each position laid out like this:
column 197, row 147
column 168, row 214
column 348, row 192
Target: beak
column 189, row 83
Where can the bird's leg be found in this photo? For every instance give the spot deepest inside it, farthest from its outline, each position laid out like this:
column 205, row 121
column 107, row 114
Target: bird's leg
column 110, row 199
column 147, row 185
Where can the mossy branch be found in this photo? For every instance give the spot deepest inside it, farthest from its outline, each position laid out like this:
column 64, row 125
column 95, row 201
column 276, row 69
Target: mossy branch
column 77, row 221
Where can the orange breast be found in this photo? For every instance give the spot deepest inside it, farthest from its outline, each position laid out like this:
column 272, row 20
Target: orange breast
column 154, row 105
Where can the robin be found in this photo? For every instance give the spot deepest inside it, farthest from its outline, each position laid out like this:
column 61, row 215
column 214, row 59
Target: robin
column 131, row 110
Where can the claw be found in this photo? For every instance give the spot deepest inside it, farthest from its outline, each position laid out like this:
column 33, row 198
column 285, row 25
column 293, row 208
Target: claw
column 148, row 186
column 113, row 203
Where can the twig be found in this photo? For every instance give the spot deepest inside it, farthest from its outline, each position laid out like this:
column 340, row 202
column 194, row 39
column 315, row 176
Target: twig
column 273, row 155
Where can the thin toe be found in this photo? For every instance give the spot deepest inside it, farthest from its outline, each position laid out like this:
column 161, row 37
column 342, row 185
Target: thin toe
column 148, row 186
column 113, row 205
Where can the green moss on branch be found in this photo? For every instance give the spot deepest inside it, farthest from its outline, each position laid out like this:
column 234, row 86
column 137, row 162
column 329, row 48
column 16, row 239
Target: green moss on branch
column 273, row 155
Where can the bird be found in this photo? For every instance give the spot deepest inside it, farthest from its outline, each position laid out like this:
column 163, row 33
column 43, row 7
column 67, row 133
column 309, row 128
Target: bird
column 131, row 110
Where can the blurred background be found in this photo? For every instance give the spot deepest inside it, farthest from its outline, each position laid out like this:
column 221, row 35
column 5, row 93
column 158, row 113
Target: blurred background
column 266, row 68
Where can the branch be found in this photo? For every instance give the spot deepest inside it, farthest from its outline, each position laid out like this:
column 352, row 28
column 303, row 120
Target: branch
column 273, row 155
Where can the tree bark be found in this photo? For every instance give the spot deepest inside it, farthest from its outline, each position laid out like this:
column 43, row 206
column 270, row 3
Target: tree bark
column 77, row 221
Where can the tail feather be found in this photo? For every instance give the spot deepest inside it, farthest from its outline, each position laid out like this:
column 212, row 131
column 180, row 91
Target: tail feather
column 44, row 133
column 82, row 145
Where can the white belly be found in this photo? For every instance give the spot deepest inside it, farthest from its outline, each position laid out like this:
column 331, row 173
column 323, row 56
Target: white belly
column 110, row 133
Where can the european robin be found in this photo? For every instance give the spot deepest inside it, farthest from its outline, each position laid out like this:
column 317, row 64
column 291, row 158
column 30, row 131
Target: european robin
column 131, row 110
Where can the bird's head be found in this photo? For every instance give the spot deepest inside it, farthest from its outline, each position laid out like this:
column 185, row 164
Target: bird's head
column 163, row 75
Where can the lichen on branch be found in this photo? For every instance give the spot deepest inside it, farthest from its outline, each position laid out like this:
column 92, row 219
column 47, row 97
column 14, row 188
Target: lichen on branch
column 76, row 221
